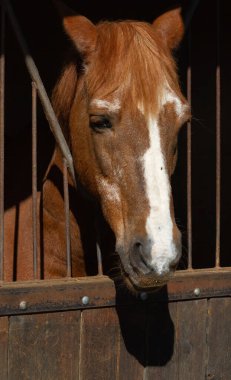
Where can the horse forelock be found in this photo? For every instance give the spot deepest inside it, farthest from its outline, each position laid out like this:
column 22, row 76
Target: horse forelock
column 131, row 63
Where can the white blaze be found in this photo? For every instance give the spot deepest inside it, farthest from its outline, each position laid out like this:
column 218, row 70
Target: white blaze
column 112, row 106
column 159, row 224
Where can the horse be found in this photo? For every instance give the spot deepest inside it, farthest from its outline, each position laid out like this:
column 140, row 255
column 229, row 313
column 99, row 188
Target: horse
column 120, row 106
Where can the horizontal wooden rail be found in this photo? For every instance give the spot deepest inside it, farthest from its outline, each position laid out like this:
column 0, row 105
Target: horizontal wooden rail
column 100, row 291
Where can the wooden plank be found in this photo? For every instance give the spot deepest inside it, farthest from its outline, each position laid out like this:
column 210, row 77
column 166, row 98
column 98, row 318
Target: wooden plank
column 66, row 294
column 210, row 283
column 44, row 346
column 99, row 344
column 191, row 339
column 132, row 321
column 3, row 347
column 177, row 341
column 219, row 339
column 162, row 355
column 55, row 295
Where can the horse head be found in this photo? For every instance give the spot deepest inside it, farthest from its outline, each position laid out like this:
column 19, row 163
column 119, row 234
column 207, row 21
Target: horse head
column 123, row 109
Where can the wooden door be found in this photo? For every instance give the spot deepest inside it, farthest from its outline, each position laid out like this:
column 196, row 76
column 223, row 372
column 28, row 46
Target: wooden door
column 160, row 340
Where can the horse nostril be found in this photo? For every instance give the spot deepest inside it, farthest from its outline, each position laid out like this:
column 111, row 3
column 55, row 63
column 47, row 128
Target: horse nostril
column 138, row 244
column 140, row 258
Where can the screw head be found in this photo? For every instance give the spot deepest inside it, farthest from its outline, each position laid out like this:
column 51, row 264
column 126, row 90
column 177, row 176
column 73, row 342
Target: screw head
column 143, row 296
column 197, row 291
column 85, row 300
column 23, row 305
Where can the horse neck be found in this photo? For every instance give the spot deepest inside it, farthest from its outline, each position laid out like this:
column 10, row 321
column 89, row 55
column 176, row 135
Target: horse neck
column 82, row 231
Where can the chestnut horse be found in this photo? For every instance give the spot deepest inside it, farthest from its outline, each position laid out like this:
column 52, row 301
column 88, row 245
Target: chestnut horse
column 120, row 106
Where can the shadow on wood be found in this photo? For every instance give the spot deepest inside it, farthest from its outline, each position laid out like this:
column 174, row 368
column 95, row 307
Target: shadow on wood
column 148, row 331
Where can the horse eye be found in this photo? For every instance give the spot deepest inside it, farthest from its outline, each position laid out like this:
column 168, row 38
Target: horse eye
column 99, row 123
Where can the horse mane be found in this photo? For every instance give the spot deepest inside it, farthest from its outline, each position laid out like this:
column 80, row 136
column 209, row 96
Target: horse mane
column 129, row 56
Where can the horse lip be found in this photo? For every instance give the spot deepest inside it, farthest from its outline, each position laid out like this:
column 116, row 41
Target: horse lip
column 137, row 287
column 136, row 282
column 155, row 283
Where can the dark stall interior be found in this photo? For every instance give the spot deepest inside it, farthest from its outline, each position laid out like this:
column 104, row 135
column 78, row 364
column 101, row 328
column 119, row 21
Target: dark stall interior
column 42, row 29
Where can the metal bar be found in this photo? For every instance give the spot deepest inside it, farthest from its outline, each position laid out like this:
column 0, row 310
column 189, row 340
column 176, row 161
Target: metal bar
column 99, row 260
column 189, row 163
column 218, row 144
column 34, row 178
column 48, row 110
column 67, row 218
column 2, row 134
column 98, row 250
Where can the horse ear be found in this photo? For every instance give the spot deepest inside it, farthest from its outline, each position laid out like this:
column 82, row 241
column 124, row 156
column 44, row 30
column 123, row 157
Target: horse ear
column 82, row 32
column 170, row 27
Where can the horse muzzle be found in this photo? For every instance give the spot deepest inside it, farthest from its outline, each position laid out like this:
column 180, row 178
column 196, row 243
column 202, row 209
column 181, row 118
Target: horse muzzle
column 144, row 268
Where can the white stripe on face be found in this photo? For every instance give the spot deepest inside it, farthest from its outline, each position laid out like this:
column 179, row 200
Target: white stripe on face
column 159, row 224
column 110, row 106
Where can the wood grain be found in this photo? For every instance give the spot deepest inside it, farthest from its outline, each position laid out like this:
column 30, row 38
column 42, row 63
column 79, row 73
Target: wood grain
column 191, row 339
column 151, row 340
column 99, row 344
column 3, row 348
column 177, row 341
column 44, row 346
column 219, row 339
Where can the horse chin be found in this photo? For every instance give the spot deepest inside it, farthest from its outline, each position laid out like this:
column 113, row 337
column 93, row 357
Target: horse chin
column 148, row 284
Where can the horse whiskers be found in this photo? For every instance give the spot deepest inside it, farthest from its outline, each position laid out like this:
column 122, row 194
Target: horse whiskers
column 116, row 274
column 200, row 123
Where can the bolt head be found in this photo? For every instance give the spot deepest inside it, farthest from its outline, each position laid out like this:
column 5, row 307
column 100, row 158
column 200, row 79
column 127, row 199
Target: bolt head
column 143, row 296
column 85, row 300
column 23, row 305
column 197, row 292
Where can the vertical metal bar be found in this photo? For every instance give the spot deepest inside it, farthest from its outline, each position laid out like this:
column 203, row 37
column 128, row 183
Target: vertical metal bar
column 98, row 241
column 99, row 260
column 189, row 161
column 2, row 134
column 67, row 217
column 218, row 143
column 34, row 178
